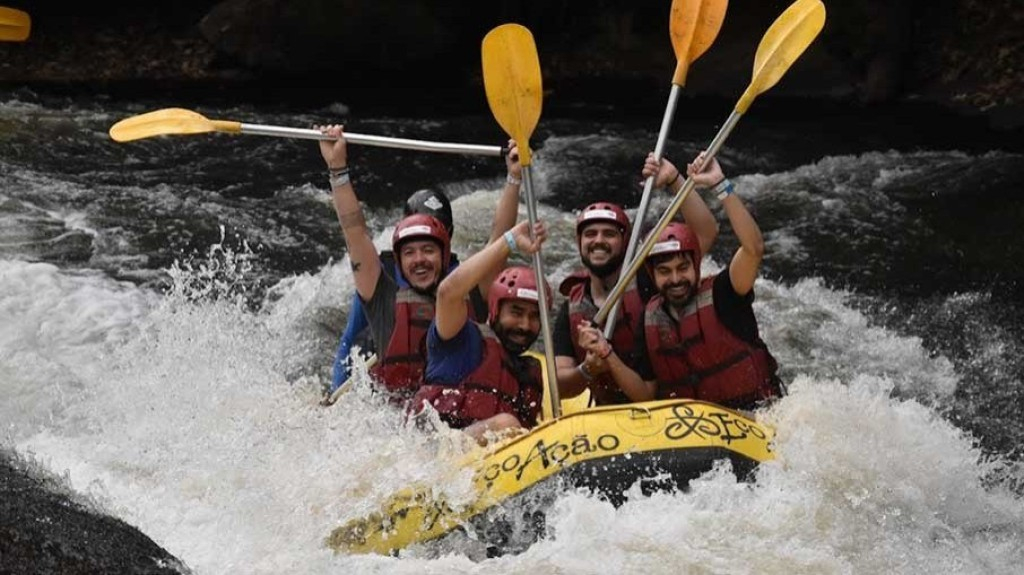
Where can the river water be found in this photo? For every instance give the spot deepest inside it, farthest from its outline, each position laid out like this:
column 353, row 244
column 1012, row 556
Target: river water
column 169, row 310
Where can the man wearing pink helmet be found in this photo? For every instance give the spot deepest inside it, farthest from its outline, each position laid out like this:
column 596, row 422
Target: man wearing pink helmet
column 700, row 336
column 477, row 378
column 602, row 232
column 399, row 315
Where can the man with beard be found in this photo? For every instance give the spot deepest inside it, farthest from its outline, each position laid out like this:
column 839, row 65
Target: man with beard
column 602, row 231
column 400, row 314
column 700, row 335
column 477, row 378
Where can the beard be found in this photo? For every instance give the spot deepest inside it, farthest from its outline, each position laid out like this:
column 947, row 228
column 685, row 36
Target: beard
column 512, row 347
column 680, row 302
column 601, row 271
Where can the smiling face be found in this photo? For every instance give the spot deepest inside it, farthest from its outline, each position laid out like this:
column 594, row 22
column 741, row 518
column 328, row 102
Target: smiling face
column 517, row 324
column 421, row 262
column 602, row 248
column 676, row 278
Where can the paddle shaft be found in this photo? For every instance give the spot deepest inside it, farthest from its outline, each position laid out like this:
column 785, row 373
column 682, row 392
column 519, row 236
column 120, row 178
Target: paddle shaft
column 630, row 272
column 645, row 199
column 542, row 297
column 376, row 141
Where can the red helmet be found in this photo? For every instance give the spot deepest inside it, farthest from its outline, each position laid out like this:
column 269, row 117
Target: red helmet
column 518, row 282
column 677, row 238
column 422, row 227
column 602, row 212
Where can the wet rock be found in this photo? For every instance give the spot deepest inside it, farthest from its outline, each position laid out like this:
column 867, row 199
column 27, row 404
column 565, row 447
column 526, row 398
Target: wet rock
column 46, row 528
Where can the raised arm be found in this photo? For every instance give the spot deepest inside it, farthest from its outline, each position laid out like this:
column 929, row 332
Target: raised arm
column 744, row 267
column 508, row 204
column 507, row 212
column 450, row 308
column 696, row 213
column 361, row 251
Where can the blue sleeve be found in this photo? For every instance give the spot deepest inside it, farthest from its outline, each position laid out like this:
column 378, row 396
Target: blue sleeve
column 356, row 323
column 449, row 362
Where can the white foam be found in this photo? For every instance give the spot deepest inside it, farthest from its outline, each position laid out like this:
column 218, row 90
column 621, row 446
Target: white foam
column 195, row 418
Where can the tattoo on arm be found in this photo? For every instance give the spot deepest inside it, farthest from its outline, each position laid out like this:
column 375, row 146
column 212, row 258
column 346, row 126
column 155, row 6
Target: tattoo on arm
column 352, row 220
column 355, row 267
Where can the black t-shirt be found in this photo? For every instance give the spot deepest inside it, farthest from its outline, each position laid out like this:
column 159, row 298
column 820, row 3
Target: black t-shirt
column 561, row 333
column 736, row 313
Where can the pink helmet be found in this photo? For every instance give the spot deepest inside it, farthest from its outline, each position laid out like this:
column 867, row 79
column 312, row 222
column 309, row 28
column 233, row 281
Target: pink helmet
column 422, row 227
column 518, row 282
column 602, row 212
column 677, row 238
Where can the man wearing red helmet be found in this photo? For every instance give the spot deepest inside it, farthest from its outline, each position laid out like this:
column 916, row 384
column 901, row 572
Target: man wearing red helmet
column 400, row 314
column 602, row 232
column 700, row 336
column 477, row 378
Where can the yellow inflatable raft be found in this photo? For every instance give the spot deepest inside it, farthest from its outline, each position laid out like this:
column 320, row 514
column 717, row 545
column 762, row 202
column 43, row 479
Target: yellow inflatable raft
column 661, row 444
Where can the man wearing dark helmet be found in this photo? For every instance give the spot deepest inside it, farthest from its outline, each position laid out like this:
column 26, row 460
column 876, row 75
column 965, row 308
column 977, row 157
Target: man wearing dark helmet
column 399, row 301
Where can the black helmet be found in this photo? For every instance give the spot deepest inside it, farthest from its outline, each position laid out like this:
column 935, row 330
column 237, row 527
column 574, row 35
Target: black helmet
column 433, row 204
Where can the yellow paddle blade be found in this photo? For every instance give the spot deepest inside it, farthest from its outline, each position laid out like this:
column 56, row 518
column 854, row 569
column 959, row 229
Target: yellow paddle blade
column 512, row 82
column 693, row 27
column 15, row 25
column 168, row 121
column 784, row 42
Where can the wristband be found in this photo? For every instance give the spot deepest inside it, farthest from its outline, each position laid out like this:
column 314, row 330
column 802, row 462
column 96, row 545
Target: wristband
column 511, row 241
column 512, row 181
column 724, row 188
column 582, row 368
column 340, row 179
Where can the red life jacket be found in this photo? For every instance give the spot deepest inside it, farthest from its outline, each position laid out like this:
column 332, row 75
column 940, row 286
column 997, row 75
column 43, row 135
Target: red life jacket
column 403, row 363
column 603, row 388
column 572, row 280
column 500, row 384
column 699, row 357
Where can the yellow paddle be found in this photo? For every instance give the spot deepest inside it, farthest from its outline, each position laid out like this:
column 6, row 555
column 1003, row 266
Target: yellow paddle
column 170, row 121
column 512, row 82
column 784, row 42
column 693, row 27
column 15, row 25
